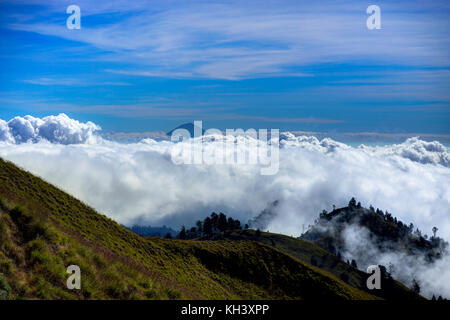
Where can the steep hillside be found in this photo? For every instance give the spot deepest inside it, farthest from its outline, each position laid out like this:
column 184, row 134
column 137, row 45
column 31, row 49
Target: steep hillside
column 387, row 233
column 43, row 230
column 316, row 256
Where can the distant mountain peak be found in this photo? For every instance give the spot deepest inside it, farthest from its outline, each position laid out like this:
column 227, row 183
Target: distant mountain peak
column 187, row 126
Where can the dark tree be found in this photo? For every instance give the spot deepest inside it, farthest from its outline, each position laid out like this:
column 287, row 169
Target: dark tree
column 389, row 217
column 207, row 226
column 192, row 233
column 230, row 224
column 384, row 272
column 168, row 235
column 258, row 233
column 214, row 221
column 352, row 203
column 358, row 205
column 353, row 264
column 222, row 224
column 182, row 234
column 434, row 231
column 199, row 227
column 246, row 226
column 415, row 286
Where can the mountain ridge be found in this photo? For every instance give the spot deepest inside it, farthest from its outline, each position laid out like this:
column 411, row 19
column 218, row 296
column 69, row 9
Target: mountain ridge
column 44, row 230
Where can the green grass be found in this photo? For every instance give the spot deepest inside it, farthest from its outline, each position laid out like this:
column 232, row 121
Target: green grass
column 314, row 255
column 43, row 230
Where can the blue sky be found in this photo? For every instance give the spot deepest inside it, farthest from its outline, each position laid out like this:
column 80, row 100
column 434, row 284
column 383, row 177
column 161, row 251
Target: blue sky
column 292, row 65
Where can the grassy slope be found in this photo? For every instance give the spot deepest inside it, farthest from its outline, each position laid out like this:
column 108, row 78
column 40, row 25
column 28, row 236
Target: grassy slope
column 52, row 230
column 316, row 256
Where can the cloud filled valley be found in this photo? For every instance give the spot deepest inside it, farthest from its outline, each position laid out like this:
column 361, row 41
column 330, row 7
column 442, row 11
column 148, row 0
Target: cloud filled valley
column 138, row 182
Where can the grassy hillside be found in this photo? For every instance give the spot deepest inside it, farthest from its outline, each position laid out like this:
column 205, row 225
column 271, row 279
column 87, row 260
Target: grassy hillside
column 43, row 230
column 316, row 256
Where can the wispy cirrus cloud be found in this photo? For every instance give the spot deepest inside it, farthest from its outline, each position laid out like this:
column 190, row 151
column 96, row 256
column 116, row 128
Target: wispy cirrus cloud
column 73, row 82
column 294, row 61
column 235, row 40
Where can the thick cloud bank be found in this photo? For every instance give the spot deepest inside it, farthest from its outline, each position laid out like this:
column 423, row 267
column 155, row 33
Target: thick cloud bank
column 55, row 129
column 139, row 183
column 413, row 149
column 416, row 150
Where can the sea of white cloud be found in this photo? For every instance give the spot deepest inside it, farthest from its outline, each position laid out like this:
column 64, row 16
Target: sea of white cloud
column 139, row 182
